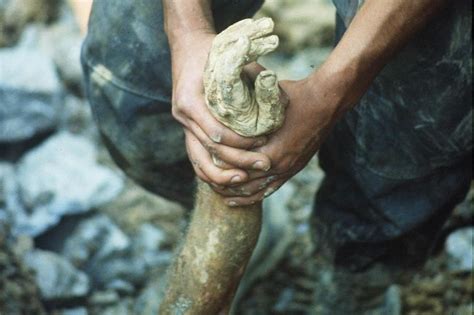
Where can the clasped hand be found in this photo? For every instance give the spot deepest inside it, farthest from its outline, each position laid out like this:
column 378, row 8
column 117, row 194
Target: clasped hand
column 248, row 169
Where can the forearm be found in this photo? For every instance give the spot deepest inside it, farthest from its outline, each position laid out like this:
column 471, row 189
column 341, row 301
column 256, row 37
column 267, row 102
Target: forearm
column 185, row 17
column 378, row 31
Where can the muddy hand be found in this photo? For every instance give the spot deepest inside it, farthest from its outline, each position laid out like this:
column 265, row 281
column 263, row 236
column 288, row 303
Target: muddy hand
column 250, row 109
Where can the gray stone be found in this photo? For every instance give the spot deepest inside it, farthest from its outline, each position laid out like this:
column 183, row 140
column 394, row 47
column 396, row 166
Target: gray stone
column 62, row 177
column 62, row 42
column 56, row 277
column 148, row 302
column 275, row 237
column 464, row 310
column 393, row 301
column 74, row 311
column 95, row 240
column 459, row 246
column 30, row 92
column 10, row 203
column 123, row 308
column 120, row 286
column 104, row 298
column 7, row 179
column 16, row 14
column 147, row 243
column 76, row 116
column 111, row 258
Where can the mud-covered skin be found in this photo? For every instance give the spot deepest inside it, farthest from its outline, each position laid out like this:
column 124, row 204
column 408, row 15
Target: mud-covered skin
column 213, row 257
column 221, row 239
column 250, row 109
column 19, row 293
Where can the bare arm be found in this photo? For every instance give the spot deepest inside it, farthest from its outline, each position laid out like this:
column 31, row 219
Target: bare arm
column 190, row 29
column 378, row 31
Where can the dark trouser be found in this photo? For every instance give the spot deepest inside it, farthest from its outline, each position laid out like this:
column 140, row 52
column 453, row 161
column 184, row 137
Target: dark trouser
column 389, row 187
column 126, row 62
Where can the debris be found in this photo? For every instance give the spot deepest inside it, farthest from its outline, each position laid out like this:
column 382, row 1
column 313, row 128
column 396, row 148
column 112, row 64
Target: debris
column 57, row 278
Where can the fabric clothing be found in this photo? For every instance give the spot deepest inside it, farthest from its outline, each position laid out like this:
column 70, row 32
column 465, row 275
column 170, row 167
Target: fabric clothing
column 126, row 62
column 395, row 166
column 398, row 163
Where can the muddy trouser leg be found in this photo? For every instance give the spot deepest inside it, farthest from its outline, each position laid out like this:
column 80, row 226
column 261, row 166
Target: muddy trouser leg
column 396, row 166
column 371, row 231
column 126, row 62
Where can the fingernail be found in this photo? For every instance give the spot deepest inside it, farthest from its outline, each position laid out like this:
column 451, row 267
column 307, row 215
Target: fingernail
column 217, row 186
column 236, row 179
column 260, row 165
column 217, row 138
column 268, row 81
column 232, row 204
column 269, row 192
column 265, row 23
column 260, row 142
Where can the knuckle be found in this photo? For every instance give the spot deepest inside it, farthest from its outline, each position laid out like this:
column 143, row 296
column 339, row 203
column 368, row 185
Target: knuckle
column 216, row 134
column 218, row 179
column 211, row 148
column 176, row 112
column 182, row 103
column 284, row 165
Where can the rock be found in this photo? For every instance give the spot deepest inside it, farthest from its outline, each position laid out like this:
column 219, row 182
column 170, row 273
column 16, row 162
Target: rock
column 104, row 298
column 57, row 278
column 111, row 258
column 460, row 249
column 148, row 302
column 148, row 242
column 76, row 116
column 136, row 206
column 16, row 14
column 19, row 293
column 275, row 237
column 120, row 286
column 301, row 23
column 62, row 42
column 35, row 86
column 10, row 203
column 74, row 311
column 124, row 307
column 62, row 177
column 97, row 239
column 393, row 301
column 464, row 310
column 295, row 66
column 96, row 245
column 7, row 180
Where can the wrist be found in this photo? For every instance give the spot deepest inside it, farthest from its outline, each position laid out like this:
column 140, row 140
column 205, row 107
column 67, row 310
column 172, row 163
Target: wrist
column 180, row 39
column 189, row 54
column 184, row 19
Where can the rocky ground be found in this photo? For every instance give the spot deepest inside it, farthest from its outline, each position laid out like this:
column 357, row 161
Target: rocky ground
column 77, row 237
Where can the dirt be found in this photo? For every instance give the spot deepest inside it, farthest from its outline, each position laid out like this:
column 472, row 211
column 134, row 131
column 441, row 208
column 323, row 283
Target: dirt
column 19, row 293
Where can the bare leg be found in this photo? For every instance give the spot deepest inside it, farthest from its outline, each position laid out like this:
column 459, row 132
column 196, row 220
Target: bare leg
column 217, row 248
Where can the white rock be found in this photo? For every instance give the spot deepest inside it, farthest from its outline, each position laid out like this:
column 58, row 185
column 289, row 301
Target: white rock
column 94, row 241
column 30, row 92
column 62, row 177
column 74, row 311
column 459, row 247
column 56, row 277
